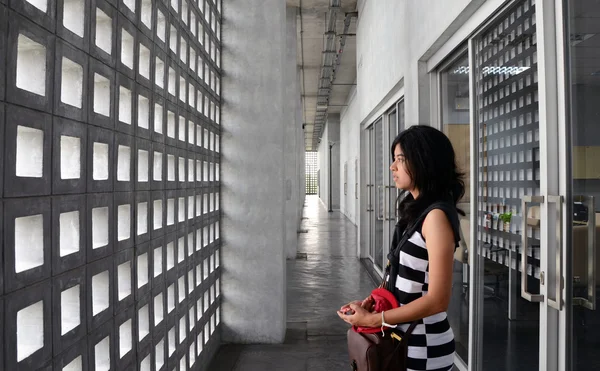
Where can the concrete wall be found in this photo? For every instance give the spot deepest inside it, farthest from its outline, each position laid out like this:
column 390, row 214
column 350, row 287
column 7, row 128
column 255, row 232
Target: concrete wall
column 253, row 182
column 349, row 144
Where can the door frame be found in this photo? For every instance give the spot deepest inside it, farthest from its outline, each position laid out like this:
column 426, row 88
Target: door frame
column 550, row 352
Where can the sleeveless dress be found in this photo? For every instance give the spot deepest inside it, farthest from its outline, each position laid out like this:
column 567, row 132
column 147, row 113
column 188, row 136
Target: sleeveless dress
column 431, row 345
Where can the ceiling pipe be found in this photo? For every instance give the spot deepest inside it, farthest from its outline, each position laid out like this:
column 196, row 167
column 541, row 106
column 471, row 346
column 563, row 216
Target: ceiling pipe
column 331, row 59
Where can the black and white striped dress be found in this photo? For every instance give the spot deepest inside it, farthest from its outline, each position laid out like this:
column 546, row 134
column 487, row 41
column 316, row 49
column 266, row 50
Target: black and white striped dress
column 431, row 345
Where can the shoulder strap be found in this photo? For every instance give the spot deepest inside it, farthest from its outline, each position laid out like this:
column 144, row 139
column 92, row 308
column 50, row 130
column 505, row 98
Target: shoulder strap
column 389, row 277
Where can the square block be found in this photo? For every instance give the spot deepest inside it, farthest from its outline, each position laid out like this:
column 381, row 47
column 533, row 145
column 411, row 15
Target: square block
column 191, row 132
column 143, row 217
column 124, row 173
column 159, row 71
column 124, row 280
column 124, row 207
column 144, row 316
column 145, row 22
column 74, row 358
column 144, row 112
column 182, row 169
column 27, row 242
column 172, row 80
column 143, row 270
column 171, row 257
column 69, row 233
column 125, row 338
column 182, row 129
column 159, row 166
column 99, row 282
column 40, row 12
column 100, row 229
column 71, row 25
column 103, row 31
column 101, row 94
column 145, row 358
column 172, row 125
column 144, row 164
column 161, row 23
column 125, row 102
column 182, row 247
column 171, row 211
column 171, row 167
column 100, row 160
column 126, row 41
column 172, row 343
column 159, row 210
column 29, row 64
column 159, row 293
column 145, row 63
column 129, row 8
column 159, row 340
column 69, row 303
column 3, row 38
column 69, row 145
column 27, row 315
column 100, row 347
column 71, row 82
column 28, row 151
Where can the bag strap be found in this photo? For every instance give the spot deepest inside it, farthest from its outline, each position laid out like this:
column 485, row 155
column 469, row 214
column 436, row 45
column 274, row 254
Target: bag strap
column 394, row 254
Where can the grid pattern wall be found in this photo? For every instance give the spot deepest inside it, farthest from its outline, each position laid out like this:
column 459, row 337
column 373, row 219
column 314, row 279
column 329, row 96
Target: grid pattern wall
column 109, row 134
column 508, row 117
column 311, row 173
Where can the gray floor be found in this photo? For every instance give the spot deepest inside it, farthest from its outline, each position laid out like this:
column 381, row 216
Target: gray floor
column 326, row 275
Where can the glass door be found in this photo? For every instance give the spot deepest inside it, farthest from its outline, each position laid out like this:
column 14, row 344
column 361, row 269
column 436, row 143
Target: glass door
column 515, row 211
column 582, row 173
column 455, row 119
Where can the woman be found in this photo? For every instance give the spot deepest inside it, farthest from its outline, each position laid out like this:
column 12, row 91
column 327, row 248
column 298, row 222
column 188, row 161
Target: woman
column 424, row 166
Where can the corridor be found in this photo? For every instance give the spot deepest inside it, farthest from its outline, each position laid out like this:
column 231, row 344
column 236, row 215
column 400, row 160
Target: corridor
column 325, row 275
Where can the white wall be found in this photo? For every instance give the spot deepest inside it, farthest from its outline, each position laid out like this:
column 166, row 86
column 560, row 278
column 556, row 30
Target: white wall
column 323, row 166
column 395, row 40
column 349, row 144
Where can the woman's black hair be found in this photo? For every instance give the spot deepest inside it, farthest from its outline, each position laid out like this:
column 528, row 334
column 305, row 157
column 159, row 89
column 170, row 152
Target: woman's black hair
column 431, row 164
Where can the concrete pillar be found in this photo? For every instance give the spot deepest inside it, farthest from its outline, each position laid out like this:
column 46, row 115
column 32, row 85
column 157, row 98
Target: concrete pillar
column 252, row 181
column 333, row 121
column 290, row 132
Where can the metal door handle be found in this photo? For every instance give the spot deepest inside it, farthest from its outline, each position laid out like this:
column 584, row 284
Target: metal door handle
column 590, row 301
column 369, row 198
column 534, row 298
column 558, row 302
column 382, row 215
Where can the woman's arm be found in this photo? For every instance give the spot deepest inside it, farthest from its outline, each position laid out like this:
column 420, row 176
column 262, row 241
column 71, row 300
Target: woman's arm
column 439, row 238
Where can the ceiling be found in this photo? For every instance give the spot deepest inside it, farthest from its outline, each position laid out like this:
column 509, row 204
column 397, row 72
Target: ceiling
column 311, row 29
column 585, row 37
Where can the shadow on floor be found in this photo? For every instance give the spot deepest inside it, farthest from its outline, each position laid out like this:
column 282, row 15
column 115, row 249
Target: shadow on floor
column 325, row 275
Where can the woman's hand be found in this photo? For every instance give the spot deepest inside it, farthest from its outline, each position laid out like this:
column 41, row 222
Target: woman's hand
column 367, row 304
column 358, row 316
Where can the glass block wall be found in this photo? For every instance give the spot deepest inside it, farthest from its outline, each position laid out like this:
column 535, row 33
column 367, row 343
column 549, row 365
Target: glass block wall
column 109, row 178
column 311, row 164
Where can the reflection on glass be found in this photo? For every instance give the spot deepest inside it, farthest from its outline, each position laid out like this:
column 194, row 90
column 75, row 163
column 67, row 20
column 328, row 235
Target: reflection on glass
column 585, row 197
column 507, row 132
column 456, row 125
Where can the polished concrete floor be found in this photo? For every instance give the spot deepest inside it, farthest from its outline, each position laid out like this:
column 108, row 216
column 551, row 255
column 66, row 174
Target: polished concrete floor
column 325, row 275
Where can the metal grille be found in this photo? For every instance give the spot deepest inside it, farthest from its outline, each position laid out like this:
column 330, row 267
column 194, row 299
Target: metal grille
column 110, row 127
column 311, row 173
column 508, row 127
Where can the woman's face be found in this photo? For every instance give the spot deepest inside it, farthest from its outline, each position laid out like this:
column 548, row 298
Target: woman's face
column 398, row 168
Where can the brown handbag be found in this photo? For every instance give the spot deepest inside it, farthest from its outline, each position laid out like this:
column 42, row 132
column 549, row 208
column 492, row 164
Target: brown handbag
column 389, row 352
column 374, row 352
